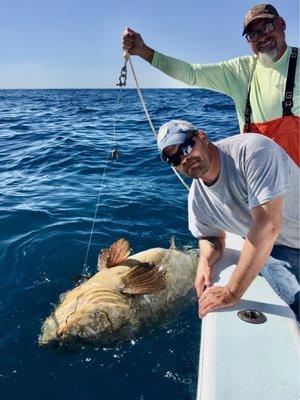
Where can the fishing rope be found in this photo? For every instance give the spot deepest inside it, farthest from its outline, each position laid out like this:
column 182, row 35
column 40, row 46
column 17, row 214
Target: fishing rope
column 108, row 157
column 127, row 57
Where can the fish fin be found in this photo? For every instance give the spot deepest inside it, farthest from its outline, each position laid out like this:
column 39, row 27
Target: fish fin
column 113, row 256
column 130, row 262
column 144, row 279
column 172, row 243
column 102, row 259
column 118, row 252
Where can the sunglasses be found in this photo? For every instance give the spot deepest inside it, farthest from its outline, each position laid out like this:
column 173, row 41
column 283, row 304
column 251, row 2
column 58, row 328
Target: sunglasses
column 183, row 150
column 264, row 30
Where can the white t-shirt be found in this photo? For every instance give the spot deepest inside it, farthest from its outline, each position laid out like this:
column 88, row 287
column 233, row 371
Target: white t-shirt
column 254, row 170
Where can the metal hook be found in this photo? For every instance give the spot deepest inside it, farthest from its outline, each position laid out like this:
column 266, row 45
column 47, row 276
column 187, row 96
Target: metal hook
column 123, row 75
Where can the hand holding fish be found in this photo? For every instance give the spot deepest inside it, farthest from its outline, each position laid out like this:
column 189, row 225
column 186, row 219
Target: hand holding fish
column 214, row 298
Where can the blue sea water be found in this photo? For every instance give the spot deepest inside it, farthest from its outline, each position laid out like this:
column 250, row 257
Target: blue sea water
column 54, row 145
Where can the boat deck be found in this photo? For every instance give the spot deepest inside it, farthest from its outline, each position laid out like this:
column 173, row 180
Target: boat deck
column 241, row 360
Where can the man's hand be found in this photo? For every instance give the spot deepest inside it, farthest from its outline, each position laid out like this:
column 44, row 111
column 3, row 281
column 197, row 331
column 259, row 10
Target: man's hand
column 203, row 277
column 214, row 298
column 134, row 45
column 211, row 249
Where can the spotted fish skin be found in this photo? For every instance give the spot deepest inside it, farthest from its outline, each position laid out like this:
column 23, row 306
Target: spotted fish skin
column 127, row 294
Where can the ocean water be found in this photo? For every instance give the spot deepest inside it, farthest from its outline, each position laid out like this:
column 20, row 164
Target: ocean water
column 54, row 148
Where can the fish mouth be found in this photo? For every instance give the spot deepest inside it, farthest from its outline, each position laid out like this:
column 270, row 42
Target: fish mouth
column 49, row 332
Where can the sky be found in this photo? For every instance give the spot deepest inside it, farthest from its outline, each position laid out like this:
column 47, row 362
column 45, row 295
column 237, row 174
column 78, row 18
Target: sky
column 77, row 43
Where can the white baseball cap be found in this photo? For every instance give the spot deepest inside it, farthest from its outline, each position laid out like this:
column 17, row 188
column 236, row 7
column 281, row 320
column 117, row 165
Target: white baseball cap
column 173, row 132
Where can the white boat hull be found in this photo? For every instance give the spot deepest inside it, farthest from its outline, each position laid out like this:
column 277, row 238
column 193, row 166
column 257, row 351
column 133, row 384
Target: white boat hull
column 241, row 360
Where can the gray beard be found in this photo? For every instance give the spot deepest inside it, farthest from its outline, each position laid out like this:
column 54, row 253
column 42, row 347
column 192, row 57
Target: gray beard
column 268, row 58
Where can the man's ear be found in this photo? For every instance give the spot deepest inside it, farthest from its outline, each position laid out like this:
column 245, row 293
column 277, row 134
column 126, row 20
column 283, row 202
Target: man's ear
column 282, row 23
column 202, row 136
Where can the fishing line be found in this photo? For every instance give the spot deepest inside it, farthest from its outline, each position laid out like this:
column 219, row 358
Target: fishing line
column 114, row 154
column 110, row 154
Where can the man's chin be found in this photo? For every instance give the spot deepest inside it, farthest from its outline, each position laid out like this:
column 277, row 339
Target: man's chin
column 268, row 57
column 191, row 174
column 194, row 173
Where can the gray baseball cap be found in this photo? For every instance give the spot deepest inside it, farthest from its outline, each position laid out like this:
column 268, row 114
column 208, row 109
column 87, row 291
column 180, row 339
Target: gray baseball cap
column 173, row 132
column 266, row 11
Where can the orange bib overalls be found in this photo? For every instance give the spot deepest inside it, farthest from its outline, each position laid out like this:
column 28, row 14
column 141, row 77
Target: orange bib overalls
column 284, row 130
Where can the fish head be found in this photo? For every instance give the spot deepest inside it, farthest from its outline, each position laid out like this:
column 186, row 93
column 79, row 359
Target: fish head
column 49, row 332
column 102, row 318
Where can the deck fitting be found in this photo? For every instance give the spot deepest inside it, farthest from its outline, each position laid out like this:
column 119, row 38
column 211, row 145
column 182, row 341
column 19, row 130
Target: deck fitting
column 252, row 316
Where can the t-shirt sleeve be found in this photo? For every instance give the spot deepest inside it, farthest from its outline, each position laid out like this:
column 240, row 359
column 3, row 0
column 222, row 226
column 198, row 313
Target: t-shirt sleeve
column 267, row 171
column 224, row 77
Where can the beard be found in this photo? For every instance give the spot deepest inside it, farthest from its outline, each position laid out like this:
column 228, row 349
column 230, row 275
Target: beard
column 199, row 168
column 268, row 57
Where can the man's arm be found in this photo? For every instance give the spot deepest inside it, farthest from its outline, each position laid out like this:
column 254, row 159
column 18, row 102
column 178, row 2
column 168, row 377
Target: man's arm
column 211, row 249
column 267, row 220
column 223, row 77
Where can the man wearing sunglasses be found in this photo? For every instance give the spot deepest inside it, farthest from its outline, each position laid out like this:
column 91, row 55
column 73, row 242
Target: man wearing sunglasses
column 247, row 185
column 263, row 87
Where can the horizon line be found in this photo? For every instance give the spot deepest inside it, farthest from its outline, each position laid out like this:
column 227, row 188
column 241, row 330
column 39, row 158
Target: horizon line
column 109, row 88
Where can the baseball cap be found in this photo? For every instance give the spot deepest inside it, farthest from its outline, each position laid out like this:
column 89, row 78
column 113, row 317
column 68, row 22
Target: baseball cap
column 259, row 11
column 173, row 132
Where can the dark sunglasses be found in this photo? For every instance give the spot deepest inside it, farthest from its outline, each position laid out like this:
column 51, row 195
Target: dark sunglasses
column 183, row 150
column 264, row 30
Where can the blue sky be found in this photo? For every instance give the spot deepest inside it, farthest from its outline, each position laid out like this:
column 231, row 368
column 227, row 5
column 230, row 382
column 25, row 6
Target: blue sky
column 77, row 43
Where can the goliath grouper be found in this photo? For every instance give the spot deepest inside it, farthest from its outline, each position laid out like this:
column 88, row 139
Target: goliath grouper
column 126, row 294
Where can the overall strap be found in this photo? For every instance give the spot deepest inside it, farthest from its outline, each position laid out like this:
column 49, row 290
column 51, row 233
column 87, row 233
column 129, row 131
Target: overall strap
column 247, row 114
column 287, row 103
column 248, row 109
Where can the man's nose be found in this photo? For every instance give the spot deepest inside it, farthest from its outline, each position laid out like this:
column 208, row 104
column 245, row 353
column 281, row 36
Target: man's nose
column 185, row 159
column 262, row 36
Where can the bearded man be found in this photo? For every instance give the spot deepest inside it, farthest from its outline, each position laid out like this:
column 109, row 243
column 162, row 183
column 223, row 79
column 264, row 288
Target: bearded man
column 263, row 86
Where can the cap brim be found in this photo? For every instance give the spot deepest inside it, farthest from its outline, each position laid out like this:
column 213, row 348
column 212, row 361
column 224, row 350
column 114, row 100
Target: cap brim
column 261, row 16
column 173, row 139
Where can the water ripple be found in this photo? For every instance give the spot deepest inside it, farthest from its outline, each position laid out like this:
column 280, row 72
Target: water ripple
column 55, row 152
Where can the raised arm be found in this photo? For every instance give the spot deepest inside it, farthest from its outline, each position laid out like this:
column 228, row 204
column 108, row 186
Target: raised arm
column 266, row 226
column 221, row 77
